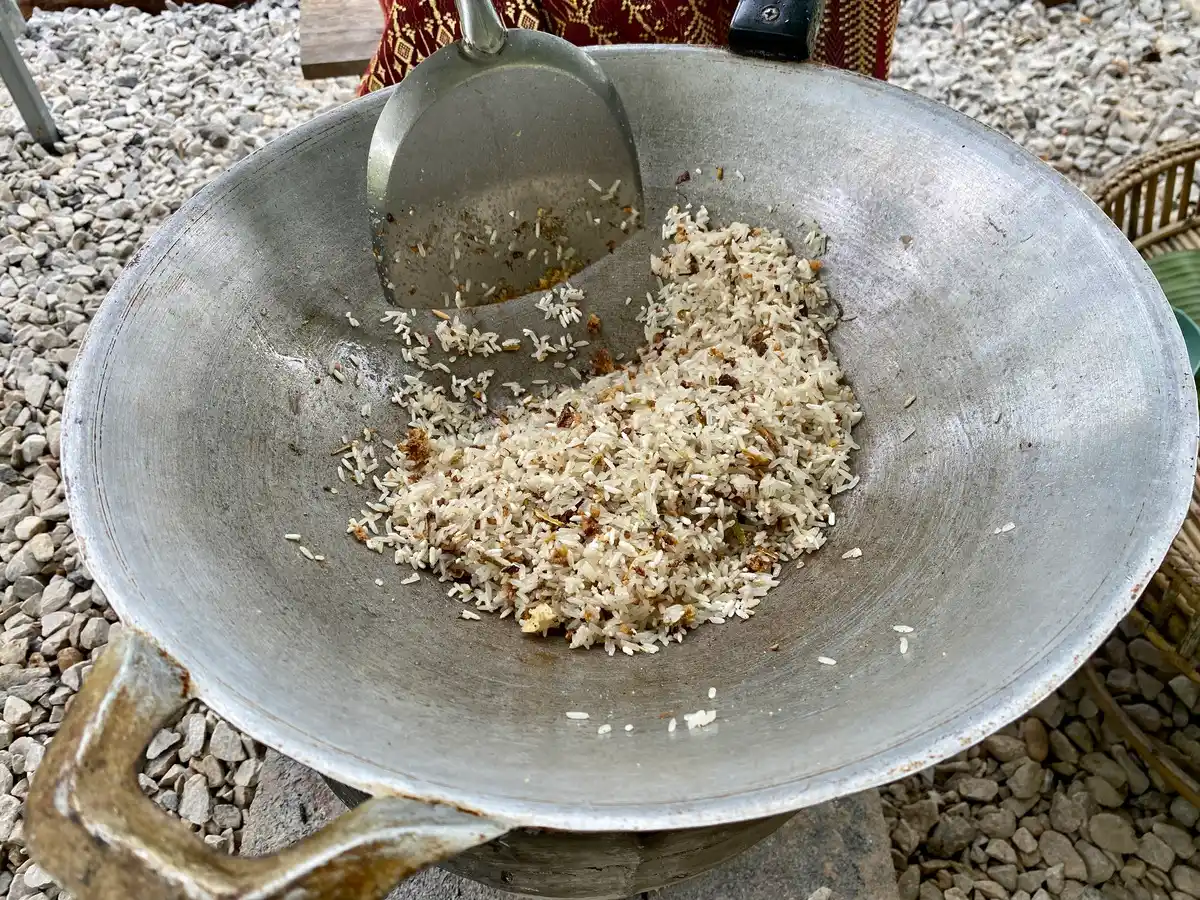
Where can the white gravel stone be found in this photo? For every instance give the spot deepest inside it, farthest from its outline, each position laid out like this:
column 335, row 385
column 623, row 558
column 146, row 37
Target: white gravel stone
column 162, row 742
column 226, row 745
column 57, row 595
column 17, row 711
column 194, row 730
column 29, row 526
column 10, row 810
column 55, row 621
column 36, row 878
column 94, row 634
column 151, row 108
column 1083, row 85
column 1186, row 879
column 195, row 804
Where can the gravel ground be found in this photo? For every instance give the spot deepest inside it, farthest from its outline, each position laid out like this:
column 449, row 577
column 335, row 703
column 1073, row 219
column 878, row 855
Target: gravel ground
column 154, row 107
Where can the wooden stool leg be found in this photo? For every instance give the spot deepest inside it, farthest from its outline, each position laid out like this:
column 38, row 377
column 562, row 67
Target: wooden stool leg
column 25, row 94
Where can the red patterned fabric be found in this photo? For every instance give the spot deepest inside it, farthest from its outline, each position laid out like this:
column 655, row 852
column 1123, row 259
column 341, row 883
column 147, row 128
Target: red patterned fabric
column 854, row 34
column 858, row 34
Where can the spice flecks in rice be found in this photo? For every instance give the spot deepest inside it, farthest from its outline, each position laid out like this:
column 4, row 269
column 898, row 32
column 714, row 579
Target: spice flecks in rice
column 648, row 500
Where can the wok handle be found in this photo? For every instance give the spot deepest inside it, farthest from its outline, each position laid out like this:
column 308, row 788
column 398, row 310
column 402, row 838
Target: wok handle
column 483, row 31
column 776, row 29
column 91, row 828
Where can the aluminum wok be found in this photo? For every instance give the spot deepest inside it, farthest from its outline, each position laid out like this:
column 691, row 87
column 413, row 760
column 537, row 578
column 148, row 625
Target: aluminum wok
column 1053, row 392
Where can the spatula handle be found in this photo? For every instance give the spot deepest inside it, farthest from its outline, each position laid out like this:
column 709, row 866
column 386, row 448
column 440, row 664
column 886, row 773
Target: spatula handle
column 483, row 32
column 777, row 29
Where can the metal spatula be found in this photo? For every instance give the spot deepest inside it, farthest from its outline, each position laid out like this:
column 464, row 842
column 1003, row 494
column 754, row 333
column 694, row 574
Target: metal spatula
column 503, row 164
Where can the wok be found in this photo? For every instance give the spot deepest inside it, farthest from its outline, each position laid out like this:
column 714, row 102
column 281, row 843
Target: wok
column 1053, row 392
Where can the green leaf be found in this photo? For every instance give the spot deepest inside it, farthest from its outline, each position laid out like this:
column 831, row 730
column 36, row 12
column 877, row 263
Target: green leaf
column 1179, row 275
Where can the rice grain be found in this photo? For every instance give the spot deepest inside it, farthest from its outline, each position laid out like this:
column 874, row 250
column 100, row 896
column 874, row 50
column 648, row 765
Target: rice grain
column 658, row 496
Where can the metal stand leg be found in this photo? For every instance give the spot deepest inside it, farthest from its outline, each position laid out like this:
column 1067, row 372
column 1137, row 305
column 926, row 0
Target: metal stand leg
column 24, row 92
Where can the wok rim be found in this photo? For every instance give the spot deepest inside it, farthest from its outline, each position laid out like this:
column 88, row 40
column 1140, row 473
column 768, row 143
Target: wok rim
column 1027, row 688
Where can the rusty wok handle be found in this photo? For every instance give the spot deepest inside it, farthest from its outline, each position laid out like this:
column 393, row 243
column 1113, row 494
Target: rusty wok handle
column 91, row 828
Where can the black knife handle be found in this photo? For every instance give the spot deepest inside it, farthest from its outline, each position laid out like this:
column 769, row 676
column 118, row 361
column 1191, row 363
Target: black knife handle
column 776, row 29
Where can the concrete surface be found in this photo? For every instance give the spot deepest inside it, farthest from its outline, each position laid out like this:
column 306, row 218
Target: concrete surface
column 842, row 846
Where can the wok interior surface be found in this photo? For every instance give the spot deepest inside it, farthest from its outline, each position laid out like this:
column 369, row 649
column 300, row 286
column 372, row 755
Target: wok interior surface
column 1052, row 392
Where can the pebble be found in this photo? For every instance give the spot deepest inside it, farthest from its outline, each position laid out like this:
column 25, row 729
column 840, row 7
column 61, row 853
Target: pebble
column 194, row 729
column 36, row 878
column 10, row 810
column 1024, row 841
column 226, row 745
column 1063, row 749
column 1184, row 812
column 1104, row 793
column 1058, row 850
column 1156, row 852
column 997, row 823
column 952, row 835
column 68, row 223
column 17, row 711
column 1111, row 832
column 226, row 816
column 1004, row 748
column 41, row 548
column 30, row 526
column 1186, row 690
column 1026, row 782
column 1037, row 741
column 1106, row 767
column 162, row 742
column 1099, row 867
column 1144, row 716
column 1083, row 86
column 57, row 595
column 1066, row 814
column 1001, row 851
column 1180, row 842
column 982, row 790
column 94, row 633
column 195, row 803
column 1186, row 879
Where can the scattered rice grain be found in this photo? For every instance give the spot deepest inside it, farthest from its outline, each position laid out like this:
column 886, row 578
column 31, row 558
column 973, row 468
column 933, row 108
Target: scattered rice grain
column 700, row 718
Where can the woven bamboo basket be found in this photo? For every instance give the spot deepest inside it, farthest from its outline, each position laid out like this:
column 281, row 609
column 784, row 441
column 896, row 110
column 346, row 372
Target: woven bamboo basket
column 1154, row 200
